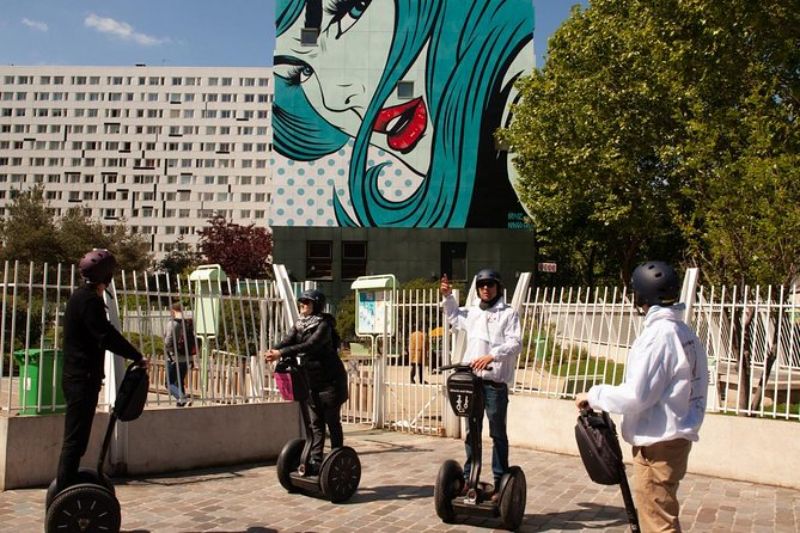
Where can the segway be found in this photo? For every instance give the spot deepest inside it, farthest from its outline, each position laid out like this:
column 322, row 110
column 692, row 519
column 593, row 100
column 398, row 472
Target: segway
column 465, row 392
column 91, row 504
column 601, row 454
column 340, row 471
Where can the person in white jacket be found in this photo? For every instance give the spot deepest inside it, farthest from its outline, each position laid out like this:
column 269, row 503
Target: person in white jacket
column 663, row 397
column 493, row 339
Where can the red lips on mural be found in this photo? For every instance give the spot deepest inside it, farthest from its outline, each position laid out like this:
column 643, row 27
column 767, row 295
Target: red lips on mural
column 403, row 124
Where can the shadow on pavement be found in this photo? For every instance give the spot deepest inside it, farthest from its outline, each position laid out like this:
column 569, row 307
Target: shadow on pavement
column 187, row 477
column 590, row 516
column 391, row 492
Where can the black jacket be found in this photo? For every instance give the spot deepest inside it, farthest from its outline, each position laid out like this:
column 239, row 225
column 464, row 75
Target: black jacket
column 88, row 334
column 315, row 347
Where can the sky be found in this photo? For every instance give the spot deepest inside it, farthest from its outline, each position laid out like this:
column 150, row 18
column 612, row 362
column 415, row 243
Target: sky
column 167, row 32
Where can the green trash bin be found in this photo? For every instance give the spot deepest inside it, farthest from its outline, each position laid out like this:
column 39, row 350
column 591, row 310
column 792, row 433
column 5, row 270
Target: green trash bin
column 40, row 368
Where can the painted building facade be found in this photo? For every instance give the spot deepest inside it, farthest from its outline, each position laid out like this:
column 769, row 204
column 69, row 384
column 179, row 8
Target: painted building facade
column 384, row 118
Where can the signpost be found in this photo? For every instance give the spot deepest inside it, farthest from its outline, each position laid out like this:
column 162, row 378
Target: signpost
column 547, row 267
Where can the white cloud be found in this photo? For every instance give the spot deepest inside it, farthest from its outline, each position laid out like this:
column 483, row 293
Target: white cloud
column 35, row 24
column 123, row 30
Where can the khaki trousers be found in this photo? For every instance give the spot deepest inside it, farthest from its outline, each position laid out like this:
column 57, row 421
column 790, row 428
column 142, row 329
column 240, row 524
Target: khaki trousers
column 657, row 471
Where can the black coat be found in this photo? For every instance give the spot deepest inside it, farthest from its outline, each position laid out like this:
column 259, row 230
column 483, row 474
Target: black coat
column 87, row 336
column 315, row 348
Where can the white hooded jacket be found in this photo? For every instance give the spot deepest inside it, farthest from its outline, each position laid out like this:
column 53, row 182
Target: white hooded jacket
column 495, row 332
column 666, row 382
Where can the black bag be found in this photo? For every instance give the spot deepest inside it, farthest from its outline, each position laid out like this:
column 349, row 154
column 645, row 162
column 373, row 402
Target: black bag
column 599, row 447
column 601, row 454
column 132, row 394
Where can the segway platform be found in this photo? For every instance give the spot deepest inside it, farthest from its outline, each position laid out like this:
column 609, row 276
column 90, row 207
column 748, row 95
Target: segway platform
column 465, row 394
column 91, row 504
column 340, row 471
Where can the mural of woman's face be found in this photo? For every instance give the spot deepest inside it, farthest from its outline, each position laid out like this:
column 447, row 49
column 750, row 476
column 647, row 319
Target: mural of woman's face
column 340, row 84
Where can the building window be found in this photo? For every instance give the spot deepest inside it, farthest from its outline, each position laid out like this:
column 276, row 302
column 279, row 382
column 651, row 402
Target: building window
column 308, row 36
column 354, row 259
column 405, row 89
column 319, row 259
column 454, row 260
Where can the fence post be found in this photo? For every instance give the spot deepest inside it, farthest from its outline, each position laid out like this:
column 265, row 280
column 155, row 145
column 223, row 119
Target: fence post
column 115, row 370
column 452, row 423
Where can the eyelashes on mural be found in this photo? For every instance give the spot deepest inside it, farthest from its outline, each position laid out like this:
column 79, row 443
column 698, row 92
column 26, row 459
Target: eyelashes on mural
column 345, row 13
column 295, row 71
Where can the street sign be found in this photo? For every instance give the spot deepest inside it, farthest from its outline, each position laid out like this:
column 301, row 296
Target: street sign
column 547, row 267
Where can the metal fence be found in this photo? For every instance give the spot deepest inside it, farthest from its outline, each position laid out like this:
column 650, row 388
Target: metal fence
column 572, row 339
column 227, row 367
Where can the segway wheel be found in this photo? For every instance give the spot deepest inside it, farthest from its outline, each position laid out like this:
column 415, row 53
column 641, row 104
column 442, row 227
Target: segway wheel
column 289, row 461
column 513, row 498
column 84, row 507
column 85, row 475
column 448, row 485
column 340, row 474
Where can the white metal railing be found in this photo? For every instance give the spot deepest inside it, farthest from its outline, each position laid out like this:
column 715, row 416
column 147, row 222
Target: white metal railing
column 572, row 339
column 31, row 335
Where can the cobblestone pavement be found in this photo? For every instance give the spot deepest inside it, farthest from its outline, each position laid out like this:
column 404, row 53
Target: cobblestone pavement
column 396, row 494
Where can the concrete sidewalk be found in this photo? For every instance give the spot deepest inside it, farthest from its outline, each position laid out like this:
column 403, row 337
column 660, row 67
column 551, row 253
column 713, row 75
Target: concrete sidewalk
column 396, row 494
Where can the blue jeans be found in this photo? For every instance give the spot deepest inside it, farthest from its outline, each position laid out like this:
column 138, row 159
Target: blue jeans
column 176, row 379
column 496, row 399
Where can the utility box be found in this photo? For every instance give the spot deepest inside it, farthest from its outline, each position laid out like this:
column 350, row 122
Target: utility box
column 206, row 282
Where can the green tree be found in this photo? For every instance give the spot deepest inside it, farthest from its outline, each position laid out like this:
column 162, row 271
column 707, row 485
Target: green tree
column 77, row 234
column 29, row 230
column 179, row 261
column 665, row 129
column 242, row 251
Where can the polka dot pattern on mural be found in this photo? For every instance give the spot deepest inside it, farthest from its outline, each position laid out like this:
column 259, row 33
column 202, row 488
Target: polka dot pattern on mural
column 312, row 184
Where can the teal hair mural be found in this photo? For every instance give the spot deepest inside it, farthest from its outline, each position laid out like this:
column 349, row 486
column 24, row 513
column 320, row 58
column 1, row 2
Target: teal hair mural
column 468, row 47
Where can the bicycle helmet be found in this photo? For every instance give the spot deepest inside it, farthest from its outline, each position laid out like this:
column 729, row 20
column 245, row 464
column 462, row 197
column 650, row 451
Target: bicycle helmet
column 655, row 283
column 316, row 298
column 98, row 266
column 487, row 274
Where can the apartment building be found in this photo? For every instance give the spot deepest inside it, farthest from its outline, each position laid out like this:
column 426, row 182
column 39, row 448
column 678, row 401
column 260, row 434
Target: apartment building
column 162, row 148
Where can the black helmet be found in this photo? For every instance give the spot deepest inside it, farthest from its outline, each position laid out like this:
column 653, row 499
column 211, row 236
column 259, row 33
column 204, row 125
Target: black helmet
column 655, row 283
column 98, row 266
column 487, row 274
column 316, row 298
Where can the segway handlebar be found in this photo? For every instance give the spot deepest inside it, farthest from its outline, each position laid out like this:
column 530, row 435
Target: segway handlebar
column 458, row 366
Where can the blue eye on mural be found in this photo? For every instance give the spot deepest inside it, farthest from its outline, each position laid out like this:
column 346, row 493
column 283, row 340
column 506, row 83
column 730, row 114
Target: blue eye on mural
column 294, row 71
column 345, row 13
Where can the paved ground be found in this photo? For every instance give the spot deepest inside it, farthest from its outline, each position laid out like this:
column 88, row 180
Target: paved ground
column 396, row 494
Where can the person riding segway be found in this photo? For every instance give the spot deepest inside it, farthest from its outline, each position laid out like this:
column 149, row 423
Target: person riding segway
column 310, row 372
column 87, row 335
column 493, row 344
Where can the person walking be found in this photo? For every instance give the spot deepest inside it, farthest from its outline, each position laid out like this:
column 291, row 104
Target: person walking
column 663, row 398
column 180, row 347
column 417, row 352
column 493, row 340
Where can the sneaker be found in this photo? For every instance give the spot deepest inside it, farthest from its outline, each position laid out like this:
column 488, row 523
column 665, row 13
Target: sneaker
column 180, row 403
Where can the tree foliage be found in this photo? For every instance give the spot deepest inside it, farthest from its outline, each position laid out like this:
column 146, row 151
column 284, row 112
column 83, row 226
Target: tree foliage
column 242, row 251
column 666, row 129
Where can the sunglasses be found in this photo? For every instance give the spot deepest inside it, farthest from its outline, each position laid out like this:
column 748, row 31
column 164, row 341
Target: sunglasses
column 482, row 284
column 305, row 302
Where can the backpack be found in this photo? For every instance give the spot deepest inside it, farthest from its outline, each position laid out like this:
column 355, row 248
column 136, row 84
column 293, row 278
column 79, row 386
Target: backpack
column 601, row 454
column 599, row 447
column 186, row 331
